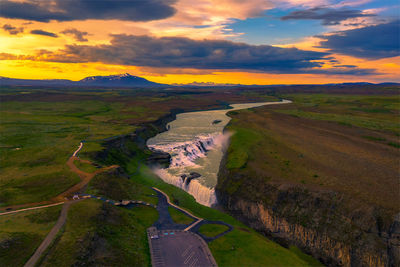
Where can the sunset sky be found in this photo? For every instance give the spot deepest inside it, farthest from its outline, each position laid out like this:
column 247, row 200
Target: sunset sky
column 220, row 41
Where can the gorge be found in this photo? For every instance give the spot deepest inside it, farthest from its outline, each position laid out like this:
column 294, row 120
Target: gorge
column 196, row 142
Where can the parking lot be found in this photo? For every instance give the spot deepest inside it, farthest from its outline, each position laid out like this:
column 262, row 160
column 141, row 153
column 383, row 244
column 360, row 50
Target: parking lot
column 180, row 248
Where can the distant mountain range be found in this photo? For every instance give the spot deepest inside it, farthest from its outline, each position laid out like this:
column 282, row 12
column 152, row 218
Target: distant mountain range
column 121, row 80
column 129, row 81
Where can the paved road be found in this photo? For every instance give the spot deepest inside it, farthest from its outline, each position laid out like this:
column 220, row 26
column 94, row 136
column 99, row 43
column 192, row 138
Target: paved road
column 172, row 204
column 176, row 248
column 164, row 218
column 50, row 237
column 195, row 229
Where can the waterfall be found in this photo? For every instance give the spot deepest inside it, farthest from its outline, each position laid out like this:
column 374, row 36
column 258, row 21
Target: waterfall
column 203, row 194
column 183, row 155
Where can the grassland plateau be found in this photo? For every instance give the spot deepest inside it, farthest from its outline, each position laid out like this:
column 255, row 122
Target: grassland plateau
column 42, row 127
column 321, row 173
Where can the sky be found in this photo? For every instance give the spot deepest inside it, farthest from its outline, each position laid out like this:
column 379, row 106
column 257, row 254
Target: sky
column 215, row 41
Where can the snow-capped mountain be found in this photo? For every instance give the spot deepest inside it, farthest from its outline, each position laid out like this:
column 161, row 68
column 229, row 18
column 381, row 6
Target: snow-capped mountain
column 124, row 80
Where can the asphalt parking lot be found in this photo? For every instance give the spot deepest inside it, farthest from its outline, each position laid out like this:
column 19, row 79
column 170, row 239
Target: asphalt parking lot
column 180, row 248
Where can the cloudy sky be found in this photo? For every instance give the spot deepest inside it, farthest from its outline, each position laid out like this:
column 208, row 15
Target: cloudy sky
column 221, row 41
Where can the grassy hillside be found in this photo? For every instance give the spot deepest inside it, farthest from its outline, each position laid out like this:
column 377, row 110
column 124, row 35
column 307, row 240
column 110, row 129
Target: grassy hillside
column 241, row 247
column 22, row 233
column 38, row 138
column 100, row 234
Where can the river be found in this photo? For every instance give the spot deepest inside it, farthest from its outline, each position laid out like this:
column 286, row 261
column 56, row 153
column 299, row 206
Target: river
column 196, row 142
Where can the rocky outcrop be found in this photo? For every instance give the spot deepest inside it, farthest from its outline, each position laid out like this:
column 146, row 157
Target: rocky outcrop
column 186, row 179
column 332, row 227
column 159, row 158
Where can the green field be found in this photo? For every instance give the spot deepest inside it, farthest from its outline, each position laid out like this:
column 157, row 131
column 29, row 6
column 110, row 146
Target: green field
column 84, row 166
column 243, row 248
column 371, row 112
column 211, row 230
column 22, row 233
column 115, row 187
column 178, row 216
column 38, row 137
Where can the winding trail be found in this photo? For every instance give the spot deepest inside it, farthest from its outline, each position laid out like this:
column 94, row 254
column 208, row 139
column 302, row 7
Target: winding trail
column 79, row 148
column 51, row 235
column 63, row 197
column 85, row 176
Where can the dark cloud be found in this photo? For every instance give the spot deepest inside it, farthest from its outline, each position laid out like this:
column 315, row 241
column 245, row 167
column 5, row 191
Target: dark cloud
column 45, row 33
column 187, row 53
column 12, row 30
column 372, row 42
column 66, row 10
column 328, row 16
column 178, row 52
column 345, row 66
column 78, row 35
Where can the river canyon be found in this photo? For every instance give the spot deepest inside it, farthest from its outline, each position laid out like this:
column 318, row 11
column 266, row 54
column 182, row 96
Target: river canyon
column 196, row 143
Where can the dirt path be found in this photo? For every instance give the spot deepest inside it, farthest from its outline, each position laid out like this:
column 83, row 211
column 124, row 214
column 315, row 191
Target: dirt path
column 79, row 148
column 51, row 235
column 85, row 179
column 85, row 176
column 33, row 208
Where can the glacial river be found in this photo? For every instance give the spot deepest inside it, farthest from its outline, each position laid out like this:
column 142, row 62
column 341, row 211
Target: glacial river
column 195, row 141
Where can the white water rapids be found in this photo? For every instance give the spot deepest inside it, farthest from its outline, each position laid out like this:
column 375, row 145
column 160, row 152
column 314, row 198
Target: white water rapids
column 195, row 141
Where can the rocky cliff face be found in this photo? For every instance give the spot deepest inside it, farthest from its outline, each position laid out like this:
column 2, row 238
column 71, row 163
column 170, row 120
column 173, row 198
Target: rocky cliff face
column 120, row 149
column 328, row 225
